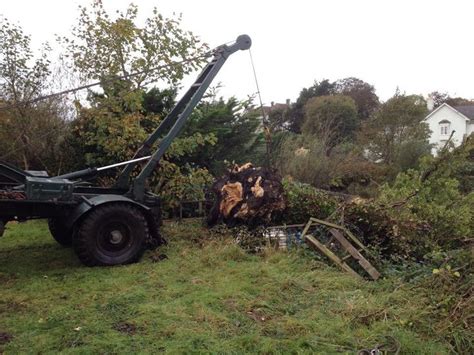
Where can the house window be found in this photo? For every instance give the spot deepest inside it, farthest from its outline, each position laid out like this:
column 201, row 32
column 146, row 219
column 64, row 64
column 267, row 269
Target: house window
column 444, row 127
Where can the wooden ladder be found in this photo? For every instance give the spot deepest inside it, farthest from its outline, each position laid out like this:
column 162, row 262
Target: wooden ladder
column 337, row 233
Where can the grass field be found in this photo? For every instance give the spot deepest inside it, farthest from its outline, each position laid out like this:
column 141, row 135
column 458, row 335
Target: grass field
column 207, row 296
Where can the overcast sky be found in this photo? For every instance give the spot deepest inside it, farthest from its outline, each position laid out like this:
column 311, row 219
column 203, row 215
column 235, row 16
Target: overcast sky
column 418, row 46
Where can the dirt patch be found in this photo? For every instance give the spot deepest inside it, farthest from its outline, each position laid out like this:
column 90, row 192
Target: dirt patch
column 231, row 304
column 258, row 315
column 11, row 307
column 126, row 328
column 4, row 278
column 368, row 319
column 5, row 338
column 157, row 257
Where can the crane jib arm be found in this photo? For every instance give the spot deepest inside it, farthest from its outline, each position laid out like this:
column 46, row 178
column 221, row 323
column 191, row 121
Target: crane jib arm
column 178, row 117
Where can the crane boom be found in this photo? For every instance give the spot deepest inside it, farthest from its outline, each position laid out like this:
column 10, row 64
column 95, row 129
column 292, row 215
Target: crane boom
column 177, row 118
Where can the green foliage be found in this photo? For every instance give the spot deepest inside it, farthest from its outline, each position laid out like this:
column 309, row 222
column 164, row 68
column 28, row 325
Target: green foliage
column 440, row 98
column 304, row 201
column 409, row 154
column 159, row 102
column 438, row 201
column 100, row 137
column 397, row 122
column 116, row 121
column 461, row 165
column 103, row 138
column 22, row 76
column 421, row 211
column 305, row 158
column 322, row 88
column 102, row 47
column 234, row 124
column 361, row 92
column 332, row 119
column 452, row 305
column 179, row 182
column 30, row 134
column 278, row 119
column 396, row 238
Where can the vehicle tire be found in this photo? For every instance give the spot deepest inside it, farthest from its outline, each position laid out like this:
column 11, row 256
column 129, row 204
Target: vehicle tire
column 60, row 233
column 111, row 234
column 2, row 227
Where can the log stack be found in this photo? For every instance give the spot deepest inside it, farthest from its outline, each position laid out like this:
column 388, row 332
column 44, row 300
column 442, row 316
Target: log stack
column 12, row 195
column 247, row 195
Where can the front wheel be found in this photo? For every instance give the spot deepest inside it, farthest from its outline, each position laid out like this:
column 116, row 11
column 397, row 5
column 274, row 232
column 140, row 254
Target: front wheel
column 111, row 234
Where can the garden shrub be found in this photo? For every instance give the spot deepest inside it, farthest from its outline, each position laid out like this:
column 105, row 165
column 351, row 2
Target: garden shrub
column 305, row 201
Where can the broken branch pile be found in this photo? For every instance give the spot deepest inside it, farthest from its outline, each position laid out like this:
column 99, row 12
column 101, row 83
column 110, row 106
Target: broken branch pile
column 240, row 201
column 12, row 195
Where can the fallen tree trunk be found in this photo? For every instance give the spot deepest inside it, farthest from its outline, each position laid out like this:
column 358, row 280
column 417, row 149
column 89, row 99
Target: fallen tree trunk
column 248, row 195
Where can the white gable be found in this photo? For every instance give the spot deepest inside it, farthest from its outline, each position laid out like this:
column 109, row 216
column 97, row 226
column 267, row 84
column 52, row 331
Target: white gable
column 443, row 121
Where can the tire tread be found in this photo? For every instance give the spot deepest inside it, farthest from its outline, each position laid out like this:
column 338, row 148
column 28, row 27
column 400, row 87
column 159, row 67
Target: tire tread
column 86, row 226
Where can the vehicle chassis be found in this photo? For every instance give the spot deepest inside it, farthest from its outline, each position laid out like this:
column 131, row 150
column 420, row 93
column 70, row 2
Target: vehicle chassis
column 106, row 225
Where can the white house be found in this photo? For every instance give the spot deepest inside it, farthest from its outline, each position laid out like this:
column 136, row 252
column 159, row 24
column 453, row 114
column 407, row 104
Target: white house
column 445, row 119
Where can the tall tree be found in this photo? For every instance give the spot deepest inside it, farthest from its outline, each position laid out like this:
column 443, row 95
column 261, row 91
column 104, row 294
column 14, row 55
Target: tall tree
column 459, row 101
column 332, row 119
column 117, row 119
column 361, row 92
column 102, row 47
column 110, row 48
column 440, row 98
column 397, row 122
column 29, row 131
column 296, row 114
column 235, row 125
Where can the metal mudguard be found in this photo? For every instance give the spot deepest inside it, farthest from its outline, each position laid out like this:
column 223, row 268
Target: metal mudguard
column 89, row 203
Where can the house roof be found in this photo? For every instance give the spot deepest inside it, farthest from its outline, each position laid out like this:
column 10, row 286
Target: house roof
column 459, row 112
column 466, row 110
column 275, row 106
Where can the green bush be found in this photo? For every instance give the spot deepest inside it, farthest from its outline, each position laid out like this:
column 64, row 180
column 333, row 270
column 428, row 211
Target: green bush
column 452, row 305
column 304, row 201
column 438, row 201
column 395, row 236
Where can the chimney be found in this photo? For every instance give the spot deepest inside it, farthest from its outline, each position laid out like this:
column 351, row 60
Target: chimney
column 430, row 103
column 272, row 103
column 288, row 102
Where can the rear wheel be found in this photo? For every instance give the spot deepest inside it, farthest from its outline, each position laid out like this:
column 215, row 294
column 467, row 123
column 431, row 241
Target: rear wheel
column 111, row 234
column 2, row 227
column 60, row 233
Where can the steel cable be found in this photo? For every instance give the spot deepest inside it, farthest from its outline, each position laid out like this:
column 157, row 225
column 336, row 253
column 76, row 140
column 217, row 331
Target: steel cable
column 266, row 128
